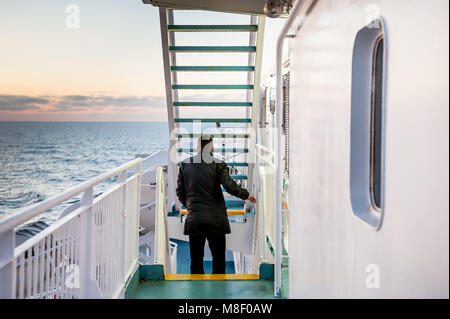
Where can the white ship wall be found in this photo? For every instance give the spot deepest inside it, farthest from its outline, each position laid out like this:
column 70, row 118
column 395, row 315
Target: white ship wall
column 330, row 249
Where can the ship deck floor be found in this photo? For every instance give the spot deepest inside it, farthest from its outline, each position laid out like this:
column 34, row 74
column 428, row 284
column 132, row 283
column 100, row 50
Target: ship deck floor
column 204, row 289
column 185, row 286
column 209, row 289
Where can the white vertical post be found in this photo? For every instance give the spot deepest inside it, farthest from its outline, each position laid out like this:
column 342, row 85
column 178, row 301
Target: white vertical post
column 172, row 165
column 7, row 264
column 256, row 99
column 123, row 261
column 138, row 170
column 279, row 113
column 173, row 59
column 88, row 241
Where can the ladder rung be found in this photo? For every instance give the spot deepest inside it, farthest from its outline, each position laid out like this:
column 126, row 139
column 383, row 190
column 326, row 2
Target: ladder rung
column 206, row 48
column 224, row 190
column 212, row 87
column 237, row 164
column 213, row 28
column 226, row 135
column 188, row 120
column 229, row 212
column 234, row 203
column 212, row 68
column 237, row 104
column 238, row 176
column 233, row 164
column 218, row 150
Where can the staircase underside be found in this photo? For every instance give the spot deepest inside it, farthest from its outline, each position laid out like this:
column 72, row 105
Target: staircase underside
column 236, row 6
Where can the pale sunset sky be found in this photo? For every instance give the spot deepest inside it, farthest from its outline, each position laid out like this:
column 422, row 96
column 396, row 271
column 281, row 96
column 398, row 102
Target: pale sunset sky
column 108, row 69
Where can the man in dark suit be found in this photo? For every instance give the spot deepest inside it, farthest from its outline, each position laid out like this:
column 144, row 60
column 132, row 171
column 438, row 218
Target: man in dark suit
column 199, row 190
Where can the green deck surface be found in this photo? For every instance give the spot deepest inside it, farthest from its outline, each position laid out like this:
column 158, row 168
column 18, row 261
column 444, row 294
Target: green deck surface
column 208, row 289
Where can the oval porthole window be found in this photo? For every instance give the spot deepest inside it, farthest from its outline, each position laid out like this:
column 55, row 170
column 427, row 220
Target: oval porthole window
column 367, row 124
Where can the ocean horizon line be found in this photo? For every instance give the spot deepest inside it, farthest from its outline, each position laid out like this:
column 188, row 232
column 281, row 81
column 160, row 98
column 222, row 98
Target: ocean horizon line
column 1, row 121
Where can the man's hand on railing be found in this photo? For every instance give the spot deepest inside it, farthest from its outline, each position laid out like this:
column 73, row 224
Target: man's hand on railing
column 251, row 198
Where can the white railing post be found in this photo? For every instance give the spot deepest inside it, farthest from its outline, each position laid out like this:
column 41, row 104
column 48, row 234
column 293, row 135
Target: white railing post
column 139, row 172
column 7, row 265
column 88, row 266
column 123, row 181
column 169, row 77
column 79, row 237
column 162, row 249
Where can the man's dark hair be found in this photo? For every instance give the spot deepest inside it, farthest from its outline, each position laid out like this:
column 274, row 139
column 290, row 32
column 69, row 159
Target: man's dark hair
column 204, row 140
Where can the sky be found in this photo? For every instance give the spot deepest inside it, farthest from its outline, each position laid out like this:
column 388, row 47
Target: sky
column 107, row 65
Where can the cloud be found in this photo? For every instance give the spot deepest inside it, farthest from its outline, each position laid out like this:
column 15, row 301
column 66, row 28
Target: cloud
column 73, row 103
column 92, row 102
column 21, row 102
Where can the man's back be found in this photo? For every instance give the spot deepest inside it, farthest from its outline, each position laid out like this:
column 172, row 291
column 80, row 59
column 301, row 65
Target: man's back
column 199, row 189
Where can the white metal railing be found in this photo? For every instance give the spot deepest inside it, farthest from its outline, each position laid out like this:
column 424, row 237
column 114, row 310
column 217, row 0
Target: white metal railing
column 88, row 253
column 264, row 167
column 162, row 246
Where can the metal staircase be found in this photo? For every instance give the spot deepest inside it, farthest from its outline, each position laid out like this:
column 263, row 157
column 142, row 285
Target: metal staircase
column 235, row 145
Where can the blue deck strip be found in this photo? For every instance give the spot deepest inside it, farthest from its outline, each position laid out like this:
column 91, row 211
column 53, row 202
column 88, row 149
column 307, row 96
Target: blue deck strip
column 207, row 48
column 212, row 86
column 236, row 104
column 234, row 68
column 184, row 259
column 209, row 27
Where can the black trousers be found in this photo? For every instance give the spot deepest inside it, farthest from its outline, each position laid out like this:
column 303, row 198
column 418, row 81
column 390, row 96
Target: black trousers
column 216, row 245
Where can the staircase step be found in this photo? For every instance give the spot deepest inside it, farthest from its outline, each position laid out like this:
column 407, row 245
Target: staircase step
column 231, row 212
column 189, row 120
column 213, row 28
column 246, row 104
column 238, row 176
column 231, row 164
column 231, row 203
column 213, row 68
column 234, row 203
column 207, row 48
column 224, row 190
column 217, row 150
column 236, row 164
column 211, row 277
column 212, row 87
column 226, row 135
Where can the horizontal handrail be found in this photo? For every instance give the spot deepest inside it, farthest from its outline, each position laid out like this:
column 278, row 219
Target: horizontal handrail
column 39, row 208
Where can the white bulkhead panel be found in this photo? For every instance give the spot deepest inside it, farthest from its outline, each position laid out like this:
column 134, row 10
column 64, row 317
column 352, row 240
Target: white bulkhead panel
column 333, row 253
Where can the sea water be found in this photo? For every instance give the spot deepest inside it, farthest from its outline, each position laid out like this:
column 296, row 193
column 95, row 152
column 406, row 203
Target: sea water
column 41, row 159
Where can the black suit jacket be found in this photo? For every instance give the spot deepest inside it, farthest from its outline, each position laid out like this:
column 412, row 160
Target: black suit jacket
column 199, row 190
